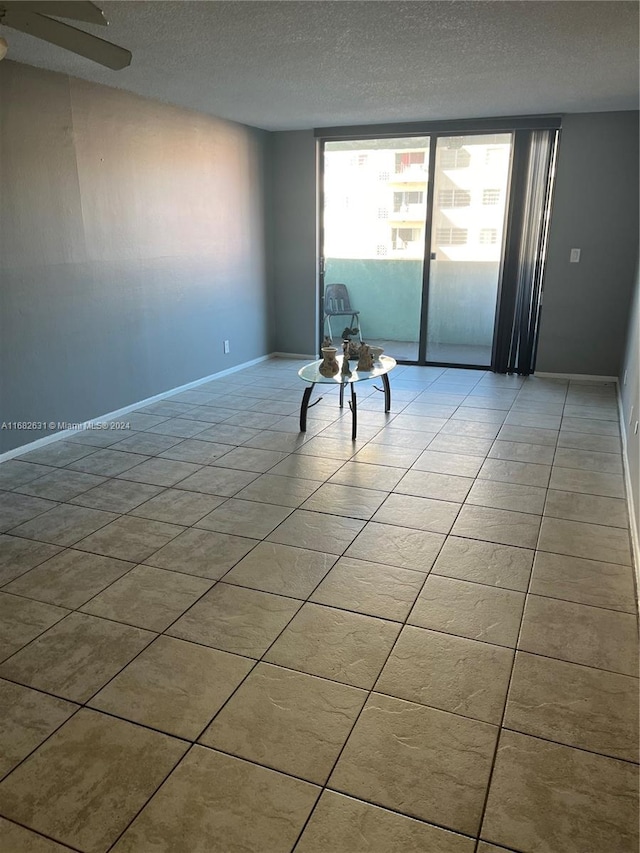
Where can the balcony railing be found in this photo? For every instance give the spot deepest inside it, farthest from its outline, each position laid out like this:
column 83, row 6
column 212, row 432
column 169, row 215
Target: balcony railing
column 388, row 293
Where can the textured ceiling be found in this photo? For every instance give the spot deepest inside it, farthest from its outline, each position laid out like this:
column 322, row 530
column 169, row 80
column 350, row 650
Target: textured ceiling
column 292, row 65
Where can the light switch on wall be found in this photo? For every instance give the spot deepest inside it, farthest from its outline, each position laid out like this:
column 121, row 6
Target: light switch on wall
column 574, row 257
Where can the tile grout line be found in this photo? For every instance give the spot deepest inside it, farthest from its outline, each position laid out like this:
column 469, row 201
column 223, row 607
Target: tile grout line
column 502, row 727
column 85, row 704
column 63, row 844
column 370, row 692
column 237, row 688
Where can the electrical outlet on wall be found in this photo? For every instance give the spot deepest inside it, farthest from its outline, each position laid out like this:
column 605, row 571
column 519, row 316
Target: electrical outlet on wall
column 574, row 257
column 225, row 345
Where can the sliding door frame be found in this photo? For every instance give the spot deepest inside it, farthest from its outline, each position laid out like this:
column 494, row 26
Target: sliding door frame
column 426, row 262
column 429, row 254
column 505, row 297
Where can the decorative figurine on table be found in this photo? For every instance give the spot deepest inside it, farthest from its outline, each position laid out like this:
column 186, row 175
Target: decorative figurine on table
column 365, row 359
column 329, row 366
column 348, row 332
column 354, row 347
column 345, row 358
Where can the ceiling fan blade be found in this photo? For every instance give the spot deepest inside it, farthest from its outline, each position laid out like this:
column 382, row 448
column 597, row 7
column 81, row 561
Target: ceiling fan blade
column 64, row 35
column 76, row 10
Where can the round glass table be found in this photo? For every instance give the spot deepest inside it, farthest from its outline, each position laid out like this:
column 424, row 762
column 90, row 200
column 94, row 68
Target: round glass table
column 311, row 373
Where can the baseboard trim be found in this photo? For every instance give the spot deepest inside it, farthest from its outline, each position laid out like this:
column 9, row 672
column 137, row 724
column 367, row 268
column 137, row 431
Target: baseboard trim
column 633, row 527
column 576, row 377
column 59, row 436
column 294, row 355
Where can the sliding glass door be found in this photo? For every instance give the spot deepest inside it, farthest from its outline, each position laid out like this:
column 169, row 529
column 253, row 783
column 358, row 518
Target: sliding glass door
column 374, row 229
column 469, row 203
column 433, row 246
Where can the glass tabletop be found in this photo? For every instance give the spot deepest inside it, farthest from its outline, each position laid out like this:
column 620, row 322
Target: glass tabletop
column 311, row 373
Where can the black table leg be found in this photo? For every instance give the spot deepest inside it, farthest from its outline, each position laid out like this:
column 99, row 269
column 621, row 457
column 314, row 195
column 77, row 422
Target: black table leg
column 341, row 396
column 304, row 406
column 387, row 392
column 354, row 413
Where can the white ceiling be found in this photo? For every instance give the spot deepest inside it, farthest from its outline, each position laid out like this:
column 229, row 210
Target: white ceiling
column 293, row 65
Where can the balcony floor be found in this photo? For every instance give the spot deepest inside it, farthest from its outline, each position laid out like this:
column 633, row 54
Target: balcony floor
column 441, row 353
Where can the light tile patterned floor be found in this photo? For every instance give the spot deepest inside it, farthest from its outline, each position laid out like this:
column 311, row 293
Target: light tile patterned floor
column 218, row 635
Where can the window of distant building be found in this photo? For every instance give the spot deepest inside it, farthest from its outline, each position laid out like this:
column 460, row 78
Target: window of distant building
column 402, row 200
column 491, row 196
column 451, row 236
column 409, row 159
column 454, row 198
column 401, row 237
column 454, row 158
column 488, row 236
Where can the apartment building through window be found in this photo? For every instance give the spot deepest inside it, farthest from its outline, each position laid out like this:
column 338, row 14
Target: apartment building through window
column 451, row 236
column 454, row 198
column 402, row 237
column 402, row 201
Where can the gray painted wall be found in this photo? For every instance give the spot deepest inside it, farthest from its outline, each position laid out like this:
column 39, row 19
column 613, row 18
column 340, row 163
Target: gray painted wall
column 586, row 305
column 293, row 232
column 132, row 242
column 630, row 392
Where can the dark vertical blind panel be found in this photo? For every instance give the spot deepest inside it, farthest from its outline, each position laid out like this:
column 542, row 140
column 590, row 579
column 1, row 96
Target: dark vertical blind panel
column 530, row 205
column 547, row 156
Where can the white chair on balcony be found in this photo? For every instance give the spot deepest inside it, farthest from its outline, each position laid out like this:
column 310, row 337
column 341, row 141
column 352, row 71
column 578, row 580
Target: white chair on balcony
column 338, row 304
